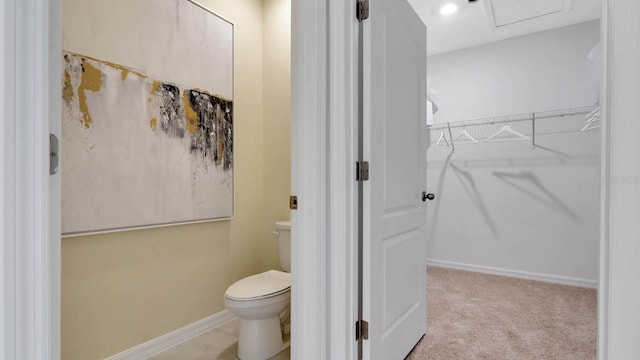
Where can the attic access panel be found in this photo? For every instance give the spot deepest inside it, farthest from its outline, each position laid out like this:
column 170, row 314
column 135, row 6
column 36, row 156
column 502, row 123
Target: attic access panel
column 507, row 12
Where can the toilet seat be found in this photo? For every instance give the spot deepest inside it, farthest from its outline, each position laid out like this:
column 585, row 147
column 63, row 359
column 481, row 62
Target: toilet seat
column 264, row 285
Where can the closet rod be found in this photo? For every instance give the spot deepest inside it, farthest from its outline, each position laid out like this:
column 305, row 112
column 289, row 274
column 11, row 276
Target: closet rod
column 515, row 118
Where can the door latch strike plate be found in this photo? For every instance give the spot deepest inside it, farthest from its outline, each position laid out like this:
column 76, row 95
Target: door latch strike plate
column 53, row 154
column 293, row 202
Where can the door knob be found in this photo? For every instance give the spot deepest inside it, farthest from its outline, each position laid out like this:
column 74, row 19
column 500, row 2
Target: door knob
column 428, row 196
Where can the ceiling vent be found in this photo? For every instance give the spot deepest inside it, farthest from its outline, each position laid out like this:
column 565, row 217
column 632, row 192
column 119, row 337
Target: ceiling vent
column 508, row 12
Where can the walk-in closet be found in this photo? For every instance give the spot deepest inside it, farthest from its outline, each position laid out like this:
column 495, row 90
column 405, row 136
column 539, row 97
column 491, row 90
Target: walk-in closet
column 514, row 164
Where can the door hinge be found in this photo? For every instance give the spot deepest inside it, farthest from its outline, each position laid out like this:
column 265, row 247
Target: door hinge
column 362, row 10
column 362, row 170
column 53, row 154
column 293, row 202
column 362, row 330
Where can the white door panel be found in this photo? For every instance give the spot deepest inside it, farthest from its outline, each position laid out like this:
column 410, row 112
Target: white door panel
column 394, row 100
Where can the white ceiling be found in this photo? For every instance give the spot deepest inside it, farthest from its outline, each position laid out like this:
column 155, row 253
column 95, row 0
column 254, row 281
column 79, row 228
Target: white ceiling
column 486, row 21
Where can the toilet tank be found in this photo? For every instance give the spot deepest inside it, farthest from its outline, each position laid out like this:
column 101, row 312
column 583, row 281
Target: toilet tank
column 283, row 232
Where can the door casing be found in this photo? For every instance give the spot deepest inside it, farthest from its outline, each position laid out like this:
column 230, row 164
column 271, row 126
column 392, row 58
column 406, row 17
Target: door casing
column 324, row 263
column 30, row 91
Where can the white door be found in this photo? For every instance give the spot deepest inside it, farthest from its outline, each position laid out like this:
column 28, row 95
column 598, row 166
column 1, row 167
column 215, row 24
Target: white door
column 394, row 110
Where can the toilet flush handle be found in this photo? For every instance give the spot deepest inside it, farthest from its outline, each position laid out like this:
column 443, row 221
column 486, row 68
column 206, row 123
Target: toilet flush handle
column 276, row 232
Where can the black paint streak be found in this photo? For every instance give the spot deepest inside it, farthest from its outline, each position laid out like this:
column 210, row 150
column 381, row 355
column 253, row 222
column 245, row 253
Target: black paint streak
column 214, row 136
column 227, row 129
column 171, row 110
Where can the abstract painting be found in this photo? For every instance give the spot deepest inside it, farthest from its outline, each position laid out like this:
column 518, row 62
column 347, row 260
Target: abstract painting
column 143, row 150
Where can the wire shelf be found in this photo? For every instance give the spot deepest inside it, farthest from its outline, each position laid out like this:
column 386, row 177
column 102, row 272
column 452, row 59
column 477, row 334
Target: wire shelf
column 529, row 124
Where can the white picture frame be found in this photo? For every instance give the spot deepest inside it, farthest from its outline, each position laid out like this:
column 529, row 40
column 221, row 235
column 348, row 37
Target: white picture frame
column 148, row 131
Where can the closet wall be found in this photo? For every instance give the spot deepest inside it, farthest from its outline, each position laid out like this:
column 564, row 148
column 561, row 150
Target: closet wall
column 506, row 207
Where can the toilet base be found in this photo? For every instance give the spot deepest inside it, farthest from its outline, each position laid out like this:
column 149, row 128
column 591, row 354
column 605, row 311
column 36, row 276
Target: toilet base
column 260, row 339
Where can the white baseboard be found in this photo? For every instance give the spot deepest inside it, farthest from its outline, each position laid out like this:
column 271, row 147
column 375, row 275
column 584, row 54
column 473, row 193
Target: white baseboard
column 163, row 343
column 556, row 279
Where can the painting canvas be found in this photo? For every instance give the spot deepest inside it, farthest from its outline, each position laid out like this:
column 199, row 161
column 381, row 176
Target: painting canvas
column 151, row 143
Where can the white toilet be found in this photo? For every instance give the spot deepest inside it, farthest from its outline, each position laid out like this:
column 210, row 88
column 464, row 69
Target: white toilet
column 260, row 301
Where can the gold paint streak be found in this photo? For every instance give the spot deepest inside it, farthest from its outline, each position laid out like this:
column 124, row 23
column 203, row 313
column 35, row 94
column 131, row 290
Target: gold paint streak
column 154, row 90
column 190, row 116
column 154, row 87
column 124, row 74
column 110, row 64
column 220, row 155
column 219, row 116
column 67, row 88
column 91, row 80
column 154, row 124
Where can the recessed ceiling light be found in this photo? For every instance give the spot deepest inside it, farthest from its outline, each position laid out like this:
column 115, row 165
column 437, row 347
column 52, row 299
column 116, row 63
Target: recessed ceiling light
column 449, row 9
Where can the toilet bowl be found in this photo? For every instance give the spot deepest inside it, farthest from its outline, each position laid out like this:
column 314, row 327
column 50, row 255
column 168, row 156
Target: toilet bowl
column 259, row 301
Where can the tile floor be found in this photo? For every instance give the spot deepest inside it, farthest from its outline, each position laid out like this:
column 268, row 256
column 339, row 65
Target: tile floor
column 220, row 343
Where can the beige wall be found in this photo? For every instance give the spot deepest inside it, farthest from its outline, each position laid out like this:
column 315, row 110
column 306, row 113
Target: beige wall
column 122, row 289
column 277, row 109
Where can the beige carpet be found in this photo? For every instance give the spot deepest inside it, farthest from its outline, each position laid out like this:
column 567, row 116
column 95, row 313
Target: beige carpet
column 478, row 316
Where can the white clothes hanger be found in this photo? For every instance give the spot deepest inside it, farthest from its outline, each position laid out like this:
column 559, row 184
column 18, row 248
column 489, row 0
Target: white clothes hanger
column 593, row 120
column 591, row 124
column 465, row 135
column 593, row 117
column 442, row 139
column 509, row 130
column 594, row 113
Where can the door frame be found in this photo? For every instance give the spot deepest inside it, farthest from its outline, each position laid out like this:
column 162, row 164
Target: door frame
column 30, row 101
column 619, row 289
column 323, row 118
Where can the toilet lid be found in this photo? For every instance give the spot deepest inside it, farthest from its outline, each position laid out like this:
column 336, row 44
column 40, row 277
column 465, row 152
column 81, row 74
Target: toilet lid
column 268, row 283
